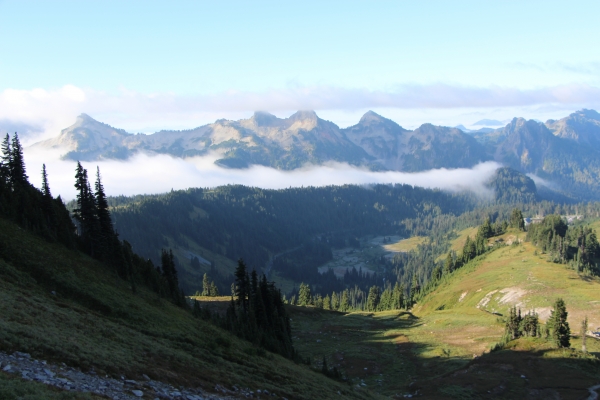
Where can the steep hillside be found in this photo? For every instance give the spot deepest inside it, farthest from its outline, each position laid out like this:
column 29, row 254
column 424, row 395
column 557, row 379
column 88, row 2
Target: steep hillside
column 62, row 306
column 441, row 349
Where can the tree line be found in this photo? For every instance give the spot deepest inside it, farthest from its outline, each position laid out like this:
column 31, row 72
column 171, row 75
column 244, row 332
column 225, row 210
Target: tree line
column 91, row 230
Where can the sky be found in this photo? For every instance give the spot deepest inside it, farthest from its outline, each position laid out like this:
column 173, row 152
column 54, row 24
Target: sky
column 150, row 65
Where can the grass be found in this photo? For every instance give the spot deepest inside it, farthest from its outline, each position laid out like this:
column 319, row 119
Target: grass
column 442, row 349
column 94, row 321
column 405, row 245
column 458, row 243
column 13, row 388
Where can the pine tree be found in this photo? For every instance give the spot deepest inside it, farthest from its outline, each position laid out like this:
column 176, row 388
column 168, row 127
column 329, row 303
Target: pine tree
column 213, row 291
column 106, row 233
column 344, row 301
column 169, row 272
column 45, row 186
column 373, row 298
column 6, row 152
column 85, row 212
column 205, row 285
column 560, row 331
column 17, row 166
column 516, row 220
column 304, row 296
column 241, row 285
column 449, row 264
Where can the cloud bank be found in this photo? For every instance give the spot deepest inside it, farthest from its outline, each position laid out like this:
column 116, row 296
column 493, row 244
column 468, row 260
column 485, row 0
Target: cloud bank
column 53, row 110
column 145, row 174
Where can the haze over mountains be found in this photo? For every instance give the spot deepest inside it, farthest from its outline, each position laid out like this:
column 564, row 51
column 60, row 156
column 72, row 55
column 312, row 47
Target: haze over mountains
column 563, row 153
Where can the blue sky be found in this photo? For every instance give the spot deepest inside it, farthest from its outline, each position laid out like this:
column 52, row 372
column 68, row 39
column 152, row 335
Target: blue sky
column 146, row 65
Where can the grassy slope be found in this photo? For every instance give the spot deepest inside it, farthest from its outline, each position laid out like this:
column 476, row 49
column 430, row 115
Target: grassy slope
column 444, row 347
column 405, row 245
column 94, row 321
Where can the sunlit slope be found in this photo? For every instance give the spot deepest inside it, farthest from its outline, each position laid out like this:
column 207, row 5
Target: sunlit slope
column 516, row 275
column 94, row 321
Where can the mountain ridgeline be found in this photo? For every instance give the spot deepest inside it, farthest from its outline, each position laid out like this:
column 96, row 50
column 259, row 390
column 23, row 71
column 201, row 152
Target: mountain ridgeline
column 564, row 153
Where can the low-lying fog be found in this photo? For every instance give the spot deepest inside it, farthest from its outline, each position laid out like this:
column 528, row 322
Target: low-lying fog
column 148, row 174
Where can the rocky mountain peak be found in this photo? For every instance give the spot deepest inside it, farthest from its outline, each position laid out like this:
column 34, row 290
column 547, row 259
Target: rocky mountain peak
column 263, row 118
column 588, row 114
column 371, row 117
column 304, row 115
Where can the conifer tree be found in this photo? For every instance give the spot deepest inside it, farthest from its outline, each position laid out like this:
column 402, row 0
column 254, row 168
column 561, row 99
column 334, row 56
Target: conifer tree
column 304, row 296
column 169, row 272
column 242, row 285
column 45, row 186
column 85, row 212
column 560, row 331
column 205, row 285
column 398, row 296
column 373, row 298
column 344, row 301
column 17, row 165
column 106, row 231
column 449, row 264
column 6, row 155
column 516, row 220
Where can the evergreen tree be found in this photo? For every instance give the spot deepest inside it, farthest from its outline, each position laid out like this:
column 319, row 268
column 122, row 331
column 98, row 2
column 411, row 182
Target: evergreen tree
column 85, row 212
column 398, row 296
column 45, row 185
column 327, row 303
column 205, row 285
column 560, row 331
column 373, row 298
column 169, row 272
column 106, row 231
column 304, row 296
column 449, row 264
column 242, row 288
column 213, row 291
column 516, row 220
column 7, row 156
column 344, row 301
column 17, row 165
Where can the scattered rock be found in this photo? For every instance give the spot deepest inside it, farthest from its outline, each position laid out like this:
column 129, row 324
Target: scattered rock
column 66, row 378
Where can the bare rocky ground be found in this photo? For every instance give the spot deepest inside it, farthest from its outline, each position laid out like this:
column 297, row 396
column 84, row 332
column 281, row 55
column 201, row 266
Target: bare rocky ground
column 72, row 379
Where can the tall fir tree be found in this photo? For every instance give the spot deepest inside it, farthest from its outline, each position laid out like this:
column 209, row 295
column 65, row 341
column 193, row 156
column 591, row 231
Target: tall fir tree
column 17, row 166
column 560, row 331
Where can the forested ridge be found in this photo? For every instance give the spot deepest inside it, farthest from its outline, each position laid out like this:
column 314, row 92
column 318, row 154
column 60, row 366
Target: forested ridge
column 253, row 223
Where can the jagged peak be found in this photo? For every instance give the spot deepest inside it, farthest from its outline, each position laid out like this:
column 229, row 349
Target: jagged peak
column 371, row 116
column 587, row 113
column 263, row 118
column 83, row 117
column 304, row 115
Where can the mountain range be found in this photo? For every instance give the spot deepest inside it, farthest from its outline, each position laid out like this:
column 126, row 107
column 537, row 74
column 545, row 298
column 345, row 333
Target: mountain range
column 563, row 153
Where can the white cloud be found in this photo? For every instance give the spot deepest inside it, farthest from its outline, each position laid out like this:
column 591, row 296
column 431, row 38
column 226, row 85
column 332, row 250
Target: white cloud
column 161, row 173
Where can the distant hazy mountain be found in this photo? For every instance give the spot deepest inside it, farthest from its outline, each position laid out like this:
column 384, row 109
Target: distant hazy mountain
column 565, row 152
column 531, row 147
column 582, row 127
